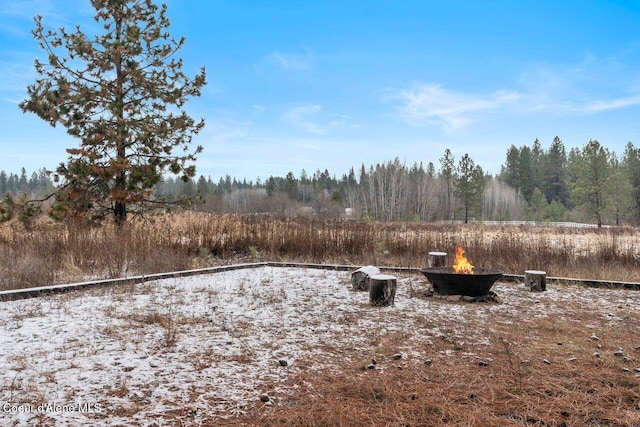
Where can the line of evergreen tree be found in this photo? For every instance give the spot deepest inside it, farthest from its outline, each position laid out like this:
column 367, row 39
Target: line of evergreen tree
column 590, row 184
column 389, row 191
column 36, row 184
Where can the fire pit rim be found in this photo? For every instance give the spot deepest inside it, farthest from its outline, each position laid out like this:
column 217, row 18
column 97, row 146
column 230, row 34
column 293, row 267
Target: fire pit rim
column 477, row 271
column 446, row 281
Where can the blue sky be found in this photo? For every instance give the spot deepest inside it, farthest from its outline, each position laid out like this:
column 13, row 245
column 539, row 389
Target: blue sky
column 331, row 85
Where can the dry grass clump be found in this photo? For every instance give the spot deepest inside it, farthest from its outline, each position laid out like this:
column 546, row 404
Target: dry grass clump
column 547, row 373
column 56, row 253
column 461, row 395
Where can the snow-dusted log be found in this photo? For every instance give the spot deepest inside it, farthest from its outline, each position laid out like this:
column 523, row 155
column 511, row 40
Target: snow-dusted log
column 535, row 280
column 360, row 277
column 382, row 290
column 437, row 259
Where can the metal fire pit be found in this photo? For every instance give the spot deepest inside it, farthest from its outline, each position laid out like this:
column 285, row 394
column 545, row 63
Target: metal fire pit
column 446, row 282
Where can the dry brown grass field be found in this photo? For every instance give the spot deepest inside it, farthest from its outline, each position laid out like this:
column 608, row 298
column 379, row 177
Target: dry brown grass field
column 566, row 357
column 54, row 253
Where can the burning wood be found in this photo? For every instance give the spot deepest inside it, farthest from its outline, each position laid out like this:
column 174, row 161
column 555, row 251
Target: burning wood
column 462, row 278
column 462, row 264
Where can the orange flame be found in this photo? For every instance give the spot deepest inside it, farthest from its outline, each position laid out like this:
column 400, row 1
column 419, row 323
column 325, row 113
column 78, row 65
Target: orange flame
column 462, row 264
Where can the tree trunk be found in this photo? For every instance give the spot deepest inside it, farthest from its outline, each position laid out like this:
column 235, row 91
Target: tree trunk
column 120, row 213
column 437, row 259
column 120, row 208
column 360, row 277
column 382, row 290
column 535, row 280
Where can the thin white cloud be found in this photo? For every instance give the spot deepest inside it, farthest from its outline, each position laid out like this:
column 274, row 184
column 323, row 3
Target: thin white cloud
column 22, row 8
column 17, row 73
column 224, row 129
column 432, row 105
column 301, row 117
column 612, row 104
column 288, row 61
column 259, row 109
column 313, row 119
column 589, row 87
column 276, row 153
column 15, row 13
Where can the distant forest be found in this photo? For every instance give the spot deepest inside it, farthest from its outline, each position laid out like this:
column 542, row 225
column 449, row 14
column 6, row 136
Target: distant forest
column 588, row 184
column 36, row 184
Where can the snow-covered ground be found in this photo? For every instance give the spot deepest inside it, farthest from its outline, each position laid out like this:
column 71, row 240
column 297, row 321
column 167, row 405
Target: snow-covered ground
column 199, row 349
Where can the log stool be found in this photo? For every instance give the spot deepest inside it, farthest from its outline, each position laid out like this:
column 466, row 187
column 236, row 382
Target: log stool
column 437, row 259
column 382, row 289
column 535, row 280
column 360, row 277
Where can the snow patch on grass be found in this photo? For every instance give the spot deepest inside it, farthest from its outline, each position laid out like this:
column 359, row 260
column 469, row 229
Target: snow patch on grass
column 201, row 348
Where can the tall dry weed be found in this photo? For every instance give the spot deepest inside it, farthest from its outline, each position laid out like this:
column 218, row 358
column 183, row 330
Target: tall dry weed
column 51, row 252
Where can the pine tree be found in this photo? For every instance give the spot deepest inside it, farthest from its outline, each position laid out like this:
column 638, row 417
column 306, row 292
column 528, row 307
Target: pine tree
column 621, row 193
column 121, row 93
column 631, row 166
column 538, row 160
column 23, row 182
column 591, row 169
column 4, row 185
column 555, row 173
column 469, row 187
column 526, row 175
column 202, row 186
column 291, row 186
column 510, row 172
column 448, row 174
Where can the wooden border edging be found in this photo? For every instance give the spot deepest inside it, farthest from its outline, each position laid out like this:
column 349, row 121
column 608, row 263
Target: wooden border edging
column 606, row 284
column 55, row 289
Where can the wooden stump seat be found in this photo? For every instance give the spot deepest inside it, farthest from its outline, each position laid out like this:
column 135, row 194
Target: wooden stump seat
column 382, row 290
column 437, row 259
column 535, row 280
